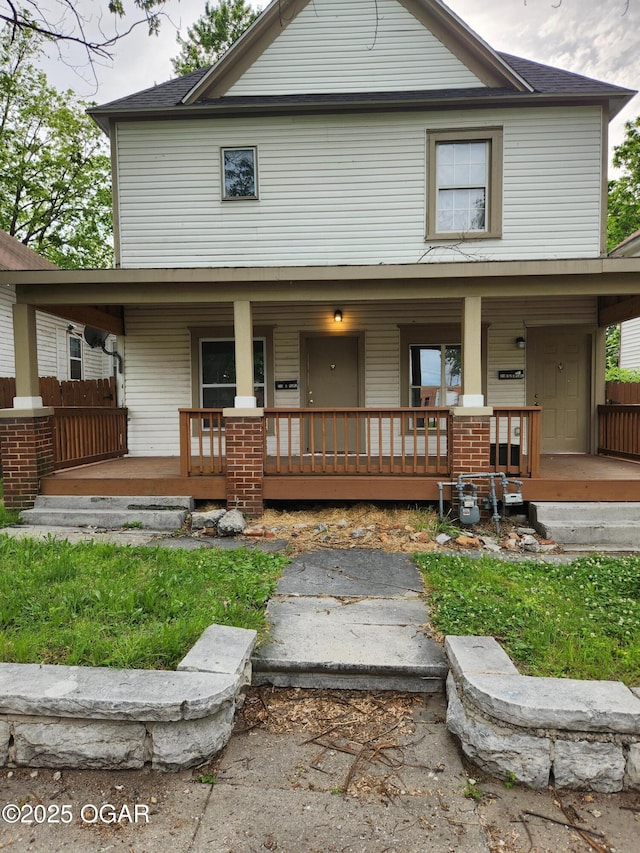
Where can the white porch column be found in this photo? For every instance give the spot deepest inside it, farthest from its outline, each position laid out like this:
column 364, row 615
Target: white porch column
column 472, row 396
column 243, row 335
column 26, row 354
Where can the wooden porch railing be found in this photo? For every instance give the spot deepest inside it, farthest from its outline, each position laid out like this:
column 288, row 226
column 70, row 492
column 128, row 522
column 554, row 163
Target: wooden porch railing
column 88, row 434
column 619, row 431
column 515, row 447
column 407, row 441
column 201, row 442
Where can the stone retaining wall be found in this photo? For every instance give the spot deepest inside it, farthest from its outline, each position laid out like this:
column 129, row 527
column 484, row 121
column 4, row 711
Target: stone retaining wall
column 89, row 717
column 576, row 734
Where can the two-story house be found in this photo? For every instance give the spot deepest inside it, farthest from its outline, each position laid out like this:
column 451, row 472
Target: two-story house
column 361, row 254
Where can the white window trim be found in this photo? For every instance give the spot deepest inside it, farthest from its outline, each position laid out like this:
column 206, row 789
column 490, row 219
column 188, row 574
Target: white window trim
column 76, row 359
column 493, row 207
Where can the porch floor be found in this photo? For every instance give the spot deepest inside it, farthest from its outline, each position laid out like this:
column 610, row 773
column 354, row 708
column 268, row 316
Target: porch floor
column 562, row 477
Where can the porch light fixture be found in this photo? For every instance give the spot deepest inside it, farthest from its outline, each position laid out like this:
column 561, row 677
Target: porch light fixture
column 521, row 343
column 337, row 316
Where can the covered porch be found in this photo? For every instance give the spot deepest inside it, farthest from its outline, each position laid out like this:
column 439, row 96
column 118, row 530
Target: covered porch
column 247, row 424
column 565, row 478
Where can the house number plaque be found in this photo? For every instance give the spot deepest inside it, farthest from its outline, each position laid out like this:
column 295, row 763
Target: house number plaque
column 511, row 374
column 287, row 385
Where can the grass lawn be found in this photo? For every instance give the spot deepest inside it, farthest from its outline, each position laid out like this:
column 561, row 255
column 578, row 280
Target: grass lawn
column 7, row 516
column 108, row 605
column 575, row 621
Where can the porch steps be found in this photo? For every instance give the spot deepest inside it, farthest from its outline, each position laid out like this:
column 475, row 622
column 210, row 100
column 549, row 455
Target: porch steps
column 148, row 513
column 606, row 524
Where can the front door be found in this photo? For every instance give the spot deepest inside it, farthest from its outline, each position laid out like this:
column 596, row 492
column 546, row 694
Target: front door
column 559, row 380
column 332, row 380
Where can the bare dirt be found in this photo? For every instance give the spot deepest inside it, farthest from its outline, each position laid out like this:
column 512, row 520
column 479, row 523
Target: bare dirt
column 397, row 529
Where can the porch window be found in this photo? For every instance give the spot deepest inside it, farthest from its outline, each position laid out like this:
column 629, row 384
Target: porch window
column 465, row 184
column 435, row 372
column 218, row 372
column 239, row 173
column 75, row 358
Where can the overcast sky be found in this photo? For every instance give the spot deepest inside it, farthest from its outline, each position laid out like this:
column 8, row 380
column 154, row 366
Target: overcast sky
column 597, row 38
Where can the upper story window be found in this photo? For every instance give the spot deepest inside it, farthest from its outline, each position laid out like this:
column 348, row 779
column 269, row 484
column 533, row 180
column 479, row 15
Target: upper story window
column 239, row 173
column 464, row 184
column 75, row 357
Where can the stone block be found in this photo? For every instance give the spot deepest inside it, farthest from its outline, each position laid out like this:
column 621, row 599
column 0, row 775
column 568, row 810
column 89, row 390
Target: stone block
column 112, row 694
column 498, row 751
column 79, row 743
column 592, row 766
column 5, row 733
column 632, row 774
column 479, row 655
column 579, row 706
column 187, row 743
column 222, row 649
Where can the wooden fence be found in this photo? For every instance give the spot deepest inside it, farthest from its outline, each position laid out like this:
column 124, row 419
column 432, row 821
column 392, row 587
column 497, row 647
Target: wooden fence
column 96, row 393
column 627, row 393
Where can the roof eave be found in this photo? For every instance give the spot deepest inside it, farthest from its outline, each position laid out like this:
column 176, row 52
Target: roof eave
column 279, row 106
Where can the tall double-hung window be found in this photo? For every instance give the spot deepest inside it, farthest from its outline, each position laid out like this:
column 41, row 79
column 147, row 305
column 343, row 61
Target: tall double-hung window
column 464, row 184
column 435, row 374
column 218, row 372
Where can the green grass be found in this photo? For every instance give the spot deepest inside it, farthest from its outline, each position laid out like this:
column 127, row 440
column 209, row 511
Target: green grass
column 7, row 516
column 575, row 621
column 107, row 605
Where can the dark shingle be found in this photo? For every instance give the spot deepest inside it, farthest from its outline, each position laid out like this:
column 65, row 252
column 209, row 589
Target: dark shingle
column 544, row 79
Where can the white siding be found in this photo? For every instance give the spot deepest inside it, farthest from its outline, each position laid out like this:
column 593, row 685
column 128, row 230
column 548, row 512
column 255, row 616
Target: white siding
column 350, row 189
column 158, row 352
column 630, row 343
column 53, row 346
column 7, row 356
column 353, row 46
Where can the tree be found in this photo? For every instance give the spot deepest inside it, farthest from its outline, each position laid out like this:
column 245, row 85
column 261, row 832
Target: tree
column 62, row 21
column 212, row 34
column 624, row 192
column 55, row 191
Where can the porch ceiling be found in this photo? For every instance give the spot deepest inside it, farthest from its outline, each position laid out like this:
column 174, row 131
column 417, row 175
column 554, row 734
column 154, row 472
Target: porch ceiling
column 595, row 277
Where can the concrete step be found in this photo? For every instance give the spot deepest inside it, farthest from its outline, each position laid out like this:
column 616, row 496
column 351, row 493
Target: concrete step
column 123, row 502
column 157, row 513
column 614, row 524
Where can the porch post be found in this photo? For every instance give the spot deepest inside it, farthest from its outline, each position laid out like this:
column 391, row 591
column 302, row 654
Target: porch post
column 472, row 352
column 471, row 419
column 26, row 433
column 243, row 336
column 26, row 358
column 244, row 425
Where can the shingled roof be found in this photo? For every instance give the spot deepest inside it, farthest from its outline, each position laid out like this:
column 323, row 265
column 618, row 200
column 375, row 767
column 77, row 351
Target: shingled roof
column 549, row 84
column 14, row 255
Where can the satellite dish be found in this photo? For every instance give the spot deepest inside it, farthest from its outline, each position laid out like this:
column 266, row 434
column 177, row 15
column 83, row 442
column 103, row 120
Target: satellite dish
column 95, row 337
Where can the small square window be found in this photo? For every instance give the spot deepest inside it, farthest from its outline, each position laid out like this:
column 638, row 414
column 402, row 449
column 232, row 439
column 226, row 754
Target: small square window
column 464, row 176
column 239, row 173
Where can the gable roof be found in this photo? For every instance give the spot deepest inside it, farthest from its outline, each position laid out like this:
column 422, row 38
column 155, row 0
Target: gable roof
column 14, row 255
column 509, row 80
